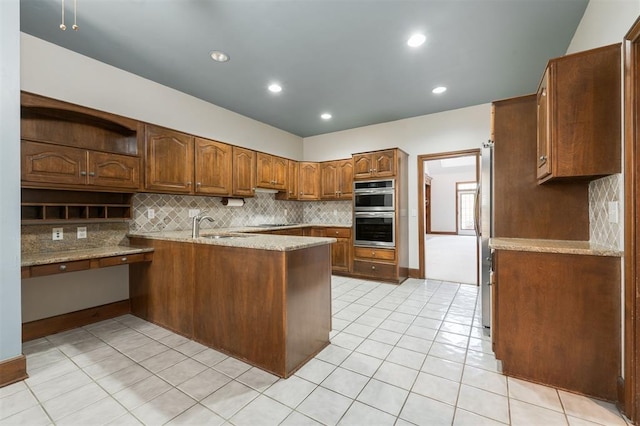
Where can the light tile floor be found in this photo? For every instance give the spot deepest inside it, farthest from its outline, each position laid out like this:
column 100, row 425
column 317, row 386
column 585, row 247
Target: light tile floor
column 403, row 355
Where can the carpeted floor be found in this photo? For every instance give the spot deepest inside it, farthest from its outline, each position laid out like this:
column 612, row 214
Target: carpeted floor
column 451, row 258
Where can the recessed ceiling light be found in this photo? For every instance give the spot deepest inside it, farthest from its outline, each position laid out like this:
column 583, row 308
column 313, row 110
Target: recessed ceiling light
column 416, row 40
column 325, row 116
column 275, row 88
column 439, row 89
column 219, row 56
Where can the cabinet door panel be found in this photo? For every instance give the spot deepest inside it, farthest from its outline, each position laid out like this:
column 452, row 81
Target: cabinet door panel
column 244, row 172
column 292, row 182
column 383, row 163
column 362, row 167
column 52, row 164
column 212, row 167
column 264, row 170
column 279, row 167
column 329, row 180
column 340, row 255
column 112, row 170
column 345, row 179
column 169, row 160
column 309, row 181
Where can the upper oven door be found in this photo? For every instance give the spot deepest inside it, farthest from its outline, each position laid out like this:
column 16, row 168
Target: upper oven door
column 371, row 196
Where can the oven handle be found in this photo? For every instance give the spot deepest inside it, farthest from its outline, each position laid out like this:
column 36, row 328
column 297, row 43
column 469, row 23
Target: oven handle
column 386, row 214
column 374, row 191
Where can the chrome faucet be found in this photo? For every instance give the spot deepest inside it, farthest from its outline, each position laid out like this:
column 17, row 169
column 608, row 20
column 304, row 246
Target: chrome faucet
column 195, row 225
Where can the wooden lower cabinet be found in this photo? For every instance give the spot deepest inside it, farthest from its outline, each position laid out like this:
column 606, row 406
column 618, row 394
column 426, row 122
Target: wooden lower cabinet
column 162, row 291
column 271, row 309
column 378, row 264
column 556, row 320
column 341, row 250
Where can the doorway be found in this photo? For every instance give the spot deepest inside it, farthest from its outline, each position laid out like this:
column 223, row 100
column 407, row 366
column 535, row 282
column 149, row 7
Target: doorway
column 447, row 243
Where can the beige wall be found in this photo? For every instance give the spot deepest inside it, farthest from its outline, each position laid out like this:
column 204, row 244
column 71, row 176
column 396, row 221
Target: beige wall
column 53, row 71
column 44, row 297
column 604, row 22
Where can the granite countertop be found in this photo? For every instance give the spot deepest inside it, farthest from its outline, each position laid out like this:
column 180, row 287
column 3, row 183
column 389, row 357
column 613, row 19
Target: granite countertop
column 46, row 258
column 553, row 246
column 243, row 237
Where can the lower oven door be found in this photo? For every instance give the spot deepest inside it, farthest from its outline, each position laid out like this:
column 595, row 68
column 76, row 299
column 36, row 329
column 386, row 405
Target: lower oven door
column 375, row 229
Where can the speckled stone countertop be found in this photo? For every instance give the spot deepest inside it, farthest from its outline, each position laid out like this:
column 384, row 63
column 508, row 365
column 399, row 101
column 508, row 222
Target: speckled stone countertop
column 553, row 246
column 34, row 259
column 243, row 237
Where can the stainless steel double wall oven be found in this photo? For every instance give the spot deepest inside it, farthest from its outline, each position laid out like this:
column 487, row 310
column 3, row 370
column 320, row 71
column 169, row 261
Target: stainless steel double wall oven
column 374, row 213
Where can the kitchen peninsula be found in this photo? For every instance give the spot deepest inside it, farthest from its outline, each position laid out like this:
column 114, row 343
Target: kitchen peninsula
column 265, row 299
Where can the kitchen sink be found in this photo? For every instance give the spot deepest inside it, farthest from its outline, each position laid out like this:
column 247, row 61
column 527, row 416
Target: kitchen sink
column 221, row 236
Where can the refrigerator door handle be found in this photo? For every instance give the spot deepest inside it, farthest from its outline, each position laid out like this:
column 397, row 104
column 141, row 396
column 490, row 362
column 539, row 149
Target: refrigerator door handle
column 476, row 211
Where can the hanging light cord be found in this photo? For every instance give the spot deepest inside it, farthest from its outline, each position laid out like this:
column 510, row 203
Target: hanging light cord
column 75, row 15
column 75, row 26
column 62, row 25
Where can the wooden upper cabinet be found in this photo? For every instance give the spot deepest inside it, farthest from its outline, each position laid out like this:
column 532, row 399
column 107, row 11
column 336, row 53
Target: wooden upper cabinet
column 374, row 164
column 336, row 180
column 345, row 179
column 580, row 118
column 293, row 172
column 54, row 165
column 328, row 180
column 113, row 170
column 213, row 167
column 169, row 160
column 271, row 171
column 309, row 181
column 244, row 172
column 67, row 146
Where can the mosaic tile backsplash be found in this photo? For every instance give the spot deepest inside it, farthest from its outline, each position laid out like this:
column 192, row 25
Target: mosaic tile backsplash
column 601, row 230
column 172, row 212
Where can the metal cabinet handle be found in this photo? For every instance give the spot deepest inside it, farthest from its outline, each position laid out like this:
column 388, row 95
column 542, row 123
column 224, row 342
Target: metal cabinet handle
column 198, row 183
column 83, row 173
column 124, row 259
column 373, row 253
column 92, row 174
column 375, row 170
column 63, row 267
column 373, row 267
column 543, row 157
column 188, row 183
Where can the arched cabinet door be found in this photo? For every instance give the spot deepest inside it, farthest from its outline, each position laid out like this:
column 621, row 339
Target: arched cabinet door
column 169, row 160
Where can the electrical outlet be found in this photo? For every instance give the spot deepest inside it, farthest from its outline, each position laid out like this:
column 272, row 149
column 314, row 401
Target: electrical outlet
column 56, row 234
column 194, row 212
column 151, row 213
column 335, row 212
column 285, row 212
column 82, row 232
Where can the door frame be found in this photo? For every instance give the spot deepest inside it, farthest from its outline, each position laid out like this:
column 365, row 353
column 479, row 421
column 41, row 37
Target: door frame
column 630, row 391
column 427, row 202
column 421, row 225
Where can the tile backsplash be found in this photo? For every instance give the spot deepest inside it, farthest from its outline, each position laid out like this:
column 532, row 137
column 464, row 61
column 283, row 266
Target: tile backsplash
column 37, row 238
column 601, row 192
column 171, row 212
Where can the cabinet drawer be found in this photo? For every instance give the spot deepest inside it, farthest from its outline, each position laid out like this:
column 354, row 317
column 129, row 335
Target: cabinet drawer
column 59, row 268
column 374, row 253
column 120, row 260
column 375, row 269
column 338, row 232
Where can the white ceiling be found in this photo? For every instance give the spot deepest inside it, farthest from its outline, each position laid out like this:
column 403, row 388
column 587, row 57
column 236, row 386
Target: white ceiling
column 346, row 57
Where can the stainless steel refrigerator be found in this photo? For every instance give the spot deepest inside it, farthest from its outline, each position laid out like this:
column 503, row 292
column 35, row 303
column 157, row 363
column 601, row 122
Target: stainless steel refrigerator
column 486, row 226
